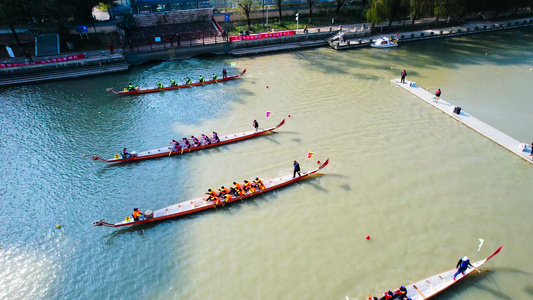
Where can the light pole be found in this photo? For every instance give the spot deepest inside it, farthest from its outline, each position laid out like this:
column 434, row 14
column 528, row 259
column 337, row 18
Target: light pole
column 297, row 20
column 263, row 13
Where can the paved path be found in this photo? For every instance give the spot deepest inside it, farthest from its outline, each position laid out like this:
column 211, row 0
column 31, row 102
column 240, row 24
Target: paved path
column 488, row 131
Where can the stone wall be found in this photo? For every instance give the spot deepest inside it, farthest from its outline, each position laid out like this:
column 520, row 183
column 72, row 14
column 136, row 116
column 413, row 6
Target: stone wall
column 173, row 17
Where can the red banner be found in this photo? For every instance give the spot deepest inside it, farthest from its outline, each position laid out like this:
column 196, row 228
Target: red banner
column 261, row 36
column 51, row 60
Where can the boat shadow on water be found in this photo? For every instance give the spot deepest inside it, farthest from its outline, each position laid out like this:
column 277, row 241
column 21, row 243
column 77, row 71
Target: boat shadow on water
column 229, row 208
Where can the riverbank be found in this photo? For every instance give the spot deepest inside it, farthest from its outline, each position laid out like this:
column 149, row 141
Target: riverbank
column 358, row 35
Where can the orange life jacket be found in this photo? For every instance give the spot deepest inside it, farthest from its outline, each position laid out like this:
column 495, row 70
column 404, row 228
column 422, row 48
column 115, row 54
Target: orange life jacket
column 212, row 193
column 260, row 184
column 237, row 186
column 227, row 197
column 136, row 213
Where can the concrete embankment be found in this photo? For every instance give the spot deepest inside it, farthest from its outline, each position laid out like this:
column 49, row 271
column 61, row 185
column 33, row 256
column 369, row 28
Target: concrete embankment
column 63, row 70
column 422, row 35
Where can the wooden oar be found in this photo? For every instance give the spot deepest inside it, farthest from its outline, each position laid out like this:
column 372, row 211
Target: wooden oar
column 419, row 292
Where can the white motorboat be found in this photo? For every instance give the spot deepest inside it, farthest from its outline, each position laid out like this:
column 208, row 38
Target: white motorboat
column 385, row 42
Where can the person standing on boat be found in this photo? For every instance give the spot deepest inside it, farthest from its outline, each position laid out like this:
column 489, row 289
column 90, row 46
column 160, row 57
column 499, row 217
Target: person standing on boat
column 403, row 76
column 224, row 73
column 173, row 82
column 256, row 125
column 125, row 153
column 296, row 169
column 136, row 214
column 461, row 266
column 437, row 95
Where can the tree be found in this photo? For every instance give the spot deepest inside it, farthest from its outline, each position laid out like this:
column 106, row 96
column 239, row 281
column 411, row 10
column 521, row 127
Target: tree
column 381, row 10
column 340, row 3
column 13, row 12
column 246, row 6
column 279, row 3
column 310, row 3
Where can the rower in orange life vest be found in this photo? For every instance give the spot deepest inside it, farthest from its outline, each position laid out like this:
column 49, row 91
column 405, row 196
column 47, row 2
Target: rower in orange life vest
column 206, row 139
column 237, row 189
column 223, row 191
column 136, row 214
column 215, row 137
column 259, row 183
column 248, row 187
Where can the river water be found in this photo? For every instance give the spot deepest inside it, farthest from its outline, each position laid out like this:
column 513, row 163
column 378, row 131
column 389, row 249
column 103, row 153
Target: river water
column 423, row 186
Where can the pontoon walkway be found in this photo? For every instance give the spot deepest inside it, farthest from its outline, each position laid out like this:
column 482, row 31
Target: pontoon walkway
column 488, row 131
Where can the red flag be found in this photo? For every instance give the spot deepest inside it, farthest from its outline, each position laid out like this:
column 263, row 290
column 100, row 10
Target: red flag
column 309, row 154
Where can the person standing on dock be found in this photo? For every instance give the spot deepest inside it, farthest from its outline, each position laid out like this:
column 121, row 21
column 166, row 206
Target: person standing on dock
column 296, row 169
column 403, row 76
column 437, row 95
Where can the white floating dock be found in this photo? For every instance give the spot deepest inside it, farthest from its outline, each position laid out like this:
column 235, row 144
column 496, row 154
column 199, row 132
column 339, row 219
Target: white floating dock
column 483, row 128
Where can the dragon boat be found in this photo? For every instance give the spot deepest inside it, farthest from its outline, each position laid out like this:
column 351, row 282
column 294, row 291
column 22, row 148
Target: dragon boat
column 137, row 91
column 202, row 144
column 434, row 285
column 204, row 203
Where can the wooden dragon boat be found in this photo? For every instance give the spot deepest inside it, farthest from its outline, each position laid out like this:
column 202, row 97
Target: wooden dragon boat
column 434, row 285
column 204, row 144
column 203, row 203
column 155, row 90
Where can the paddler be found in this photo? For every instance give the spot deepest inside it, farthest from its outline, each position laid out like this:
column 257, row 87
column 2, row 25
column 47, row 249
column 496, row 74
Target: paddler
column 188, row 80
column 237, row 189
column 173, row 82
column 125, row 153
column 206, row 139
column 227, row 198
column 201, row 79
column 400, row 293
column 216, row 139
column 195, row 140
column 186, row 143
column 259, row 183
column 387, row 295
column 211, row 193
column 215, row 77
column 462, row 265
column 223, row 191
column 248, row 187
column 131, row 88
column 159, row 85
column 136, row 214
column 176, row 145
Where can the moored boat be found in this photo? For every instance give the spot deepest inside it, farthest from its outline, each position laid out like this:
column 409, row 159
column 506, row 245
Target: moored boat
column 154, row 90
column 385, row 42
column 205, row 203
column 203, row 144
column 434, row 285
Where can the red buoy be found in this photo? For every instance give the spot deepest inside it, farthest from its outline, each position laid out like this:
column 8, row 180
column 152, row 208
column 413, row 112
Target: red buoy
column 267, row 86
column 318, row 162
column 289, row 116
column 367, row 237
